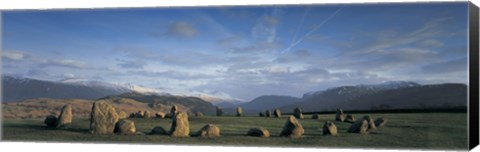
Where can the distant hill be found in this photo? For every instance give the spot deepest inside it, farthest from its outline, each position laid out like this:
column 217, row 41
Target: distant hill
column 191, row 104
column 262, row 103
column 364, row 97
column 16, row 89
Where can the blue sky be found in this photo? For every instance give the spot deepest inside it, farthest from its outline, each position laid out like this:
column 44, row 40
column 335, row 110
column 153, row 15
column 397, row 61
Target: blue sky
column 243, row 51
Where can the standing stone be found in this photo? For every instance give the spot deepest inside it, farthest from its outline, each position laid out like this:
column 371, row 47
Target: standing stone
column 147, row 114
column 340, row 116
column 239, row 111
column 209, row 130
column 51, row 121
column 268, row 113
column 258, row 132
column 315, row 116
column 102, row 118
column 292, row 128
column 360, row 126
column 350, row 118
column 298, row 113
column 125, row 127
column 174, row 110
column 65, row 117
column 277, row 113
column 122, row 115
column 219, row 111
column 160, row 115
column 261, row 114
column 371, row 123
column 199, row 114
column 158, row 130
column 132, row 115
column 139, row 114
column 180, row 126
column 380, row 122
column 329, row 128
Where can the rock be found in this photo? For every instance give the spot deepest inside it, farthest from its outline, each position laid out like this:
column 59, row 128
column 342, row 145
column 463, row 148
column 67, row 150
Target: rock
column 268, row 113
column 51, row 121
column 360, row 126
column 158, row 131
column 103, row 118
column 277, row 113
column 219, row 111
column 315, row 116
column 139, row 114
column 350, row 118
column 380, row 122
column 132, row 115
column 261, row 114
column 209, row 130
column 239, row 111
column 174, row 110
column 258, row 132
column 298, row 113
column 147, row 114
column 122, row 115
column 125, row 127
column 340, row 116
column 180, row 126
column 199, row 114
column 160, row 115
column 329, row 128
column 292, row 128
column 371, row 123
column 65, row 117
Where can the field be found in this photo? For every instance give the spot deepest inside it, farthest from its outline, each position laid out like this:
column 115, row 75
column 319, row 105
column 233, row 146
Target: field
column 402, row 131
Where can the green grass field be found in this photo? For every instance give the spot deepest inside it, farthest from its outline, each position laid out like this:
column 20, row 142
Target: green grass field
column 402, row 131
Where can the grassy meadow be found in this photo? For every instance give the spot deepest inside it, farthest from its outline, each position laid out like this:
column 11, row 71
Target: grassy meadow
column 403, row 131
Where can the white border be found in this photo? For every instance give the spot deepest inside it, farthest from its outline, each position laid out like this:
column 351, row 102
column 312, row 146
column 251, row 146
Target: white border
column 89, row 4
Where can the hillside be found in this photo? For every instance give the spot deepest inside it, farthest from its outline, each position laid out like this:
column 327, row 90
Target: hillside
column 363, row 98
column 17, row 89
column 260, row 104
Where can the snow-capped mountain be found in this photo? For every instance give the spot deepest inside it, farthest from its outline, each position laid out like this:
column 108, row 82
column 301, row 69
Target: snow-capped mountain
column 15, row 88
column 388, row 85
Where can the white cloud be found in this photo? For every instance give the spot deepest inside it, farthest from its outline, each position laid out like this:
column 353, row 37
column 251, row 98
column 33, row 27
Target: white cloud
column 16, row 56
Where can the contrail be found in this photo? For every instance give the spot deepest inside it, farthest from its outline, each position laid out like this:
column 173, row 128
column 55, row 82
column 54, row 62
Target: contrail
column 299, row 26
column 313, row 30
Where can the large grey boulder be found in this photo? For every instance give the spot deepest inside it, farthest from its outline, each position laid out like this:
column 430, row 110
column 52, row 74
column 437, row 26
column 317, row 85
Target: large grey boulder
column 329, row 128
column 268, row 113
column 350, row 118
column 180, row 125
column 298, row 113
column 292, row 128
column 65, row 118
column 258, row 132
column 51, row 121
column 209, row 130
column 380, row 122
column 360, row 126
column 125, row 127
column 239, row 111
column 103, row 118
column 277, row 113
column 340, row 116
column 158, row 130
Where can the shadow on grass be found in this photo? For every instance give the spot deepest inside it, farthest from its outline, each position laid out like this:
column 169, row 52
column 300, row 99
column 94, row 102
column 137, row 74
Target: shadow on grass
column 44, row 128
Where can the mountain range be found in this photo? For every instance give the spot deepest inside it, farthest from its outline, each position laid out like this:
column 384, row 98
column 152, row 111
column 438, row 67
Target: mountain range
column 387, row 95
column 19, row 88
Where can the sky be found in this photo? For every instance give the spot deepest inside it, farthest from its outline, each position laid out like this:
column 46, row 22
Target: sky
column 242, row 51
